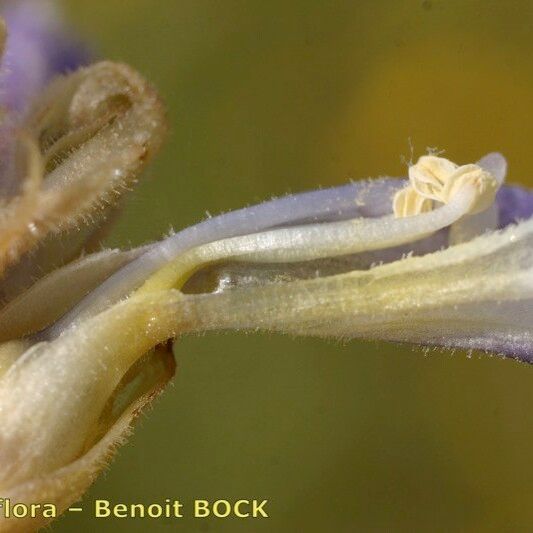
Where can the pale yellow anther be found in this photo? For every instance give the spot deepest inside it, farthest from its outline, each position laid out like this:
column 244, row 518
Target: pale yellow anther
column 436, row 179
column 408, row 201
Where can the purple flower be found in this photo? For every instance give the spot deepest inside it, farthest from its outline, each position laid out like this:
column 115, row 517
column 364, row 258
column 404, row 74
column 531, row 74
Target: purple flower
column 442, row 258
column 514, row 204
column 38, row 47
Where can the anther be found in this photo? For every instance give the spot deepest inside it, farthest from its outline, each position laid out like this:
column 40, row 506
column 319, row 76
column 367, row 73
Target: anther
column 436, row 179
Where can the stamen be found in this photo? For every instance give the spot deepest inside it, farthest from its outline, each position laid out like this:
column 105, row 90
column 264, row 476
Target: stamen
column 436, row 179
column 408, row 201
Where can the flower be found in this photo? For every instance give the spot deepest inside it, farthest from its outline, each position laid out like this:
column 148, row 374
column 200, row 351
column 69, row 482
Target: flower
column 71, row 146
column 39, row 47
column 443, row 258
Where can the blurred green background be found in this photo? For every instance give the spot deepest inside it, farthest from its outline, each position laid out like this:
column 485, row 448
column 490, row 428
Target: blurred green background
column 267, row 97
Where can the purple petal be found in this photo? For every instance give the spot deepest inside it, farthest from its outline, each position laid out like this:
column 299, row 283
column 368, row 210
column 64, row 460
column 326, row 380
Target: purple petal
column 38, row 47
column 514, row 204
column 501, row 328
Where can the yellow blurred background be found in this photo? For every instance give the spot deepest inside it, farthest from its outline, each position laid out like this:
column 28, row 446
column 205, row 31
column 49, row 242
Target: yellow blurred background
column 268, row 97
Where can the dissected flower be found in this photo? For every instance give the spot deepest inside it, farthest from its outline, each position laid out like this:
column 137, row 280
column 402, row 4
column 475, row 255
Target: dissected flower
column 443, row 258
